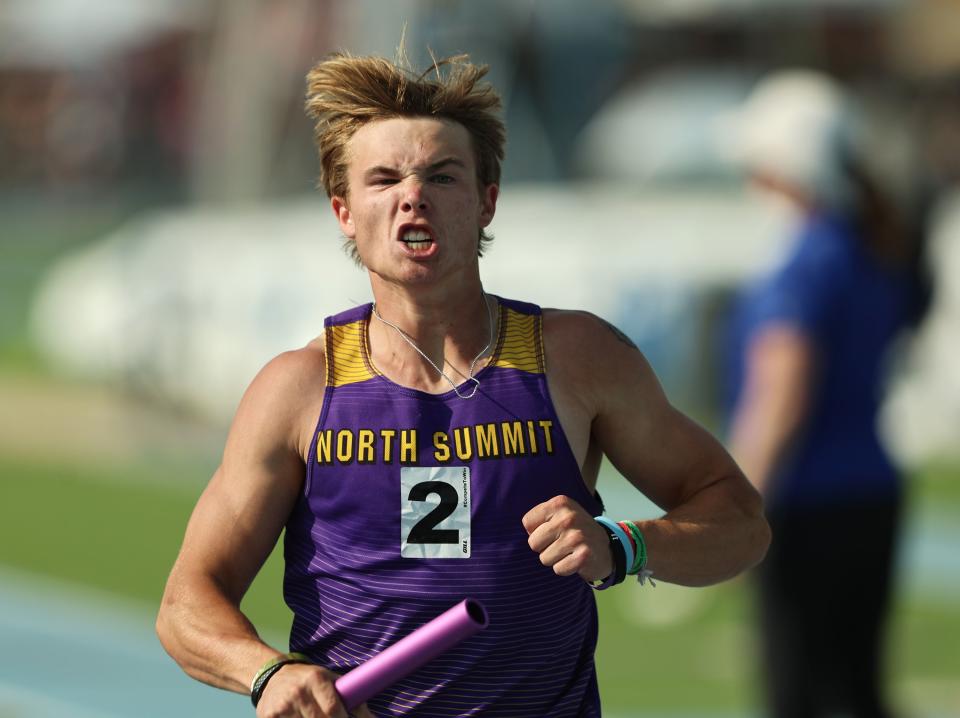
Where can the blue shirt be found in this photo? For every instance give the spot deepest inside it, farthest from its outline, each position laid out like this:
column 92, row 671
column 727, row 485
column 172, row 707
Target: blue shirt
column 851, row 308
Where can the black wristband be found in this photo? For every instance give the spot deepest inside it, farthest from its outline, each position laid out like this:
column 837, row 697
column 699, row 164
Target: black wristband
column 267, row 672
column 619, row 558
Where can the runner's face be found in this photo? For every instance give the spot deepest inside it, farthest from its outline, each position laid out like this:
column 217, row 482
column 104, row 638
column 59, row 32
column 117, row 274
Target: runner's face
column 414, row 208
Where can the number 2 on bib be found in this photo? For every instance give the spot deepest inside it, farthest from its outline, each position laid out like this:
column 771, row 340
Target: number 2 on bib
column 435, row 512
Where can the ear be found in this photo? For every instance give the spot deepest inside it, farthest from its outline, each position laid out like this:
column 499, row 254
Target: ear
column 488, row 204
column 344, row 216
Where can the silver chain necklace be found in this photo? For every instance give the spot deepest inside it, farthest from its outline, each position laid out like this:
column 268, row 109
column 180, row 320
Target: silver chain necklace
column 471, row 377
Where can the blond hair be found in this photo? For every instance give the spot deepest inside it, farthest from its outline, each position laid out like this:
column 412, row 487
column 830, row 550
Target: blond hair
column 345, row 92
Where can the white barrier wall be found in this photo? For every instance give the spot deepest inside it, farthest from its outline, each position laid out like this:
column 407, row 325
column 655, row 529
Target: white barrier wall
column 186, row 306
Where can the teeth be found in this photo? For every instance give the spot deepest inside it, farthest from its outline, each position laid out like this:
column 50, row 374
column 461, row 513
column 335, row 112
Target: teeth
column 416, row 238
column 418, row 245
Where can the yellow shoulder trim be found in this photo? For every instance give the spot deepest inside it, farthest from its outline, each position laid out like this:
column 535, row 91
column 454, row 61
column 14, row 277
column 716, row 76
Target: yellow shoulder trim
column 346, row 354
column 521, row 341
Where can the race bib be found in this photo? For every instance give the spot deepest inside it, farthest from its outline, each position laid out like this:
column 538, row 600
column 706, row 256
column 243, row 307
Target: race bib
column 435, row 512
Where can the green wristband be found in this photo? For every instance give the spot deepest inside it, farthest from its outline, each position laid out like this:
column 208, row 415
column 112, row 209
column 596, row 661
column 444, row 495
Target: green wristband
column 640, row 559
column 268, row 669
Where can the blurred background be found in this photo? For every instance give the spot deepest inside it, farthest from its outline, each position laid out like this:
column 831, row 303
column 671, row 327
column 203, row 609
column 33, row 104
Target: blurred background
column 161, row 238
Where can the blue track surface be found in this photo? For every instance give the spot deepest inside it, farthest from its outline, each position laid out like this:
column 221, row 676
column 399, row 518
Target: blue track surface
column 69, row 652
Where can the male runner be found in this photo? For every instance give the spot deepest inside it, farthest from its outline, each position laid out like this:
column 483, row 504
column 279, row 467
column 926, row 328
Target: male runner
column 440, row 443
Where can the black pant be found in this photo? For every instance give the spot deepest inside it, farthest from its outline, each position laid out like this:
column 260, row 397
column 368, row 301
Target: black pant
column 824, row 596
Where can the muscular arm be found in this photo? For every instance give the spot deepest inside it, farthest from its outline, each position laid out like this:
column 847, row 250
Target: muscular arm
column 232, row 530
column 713, row 527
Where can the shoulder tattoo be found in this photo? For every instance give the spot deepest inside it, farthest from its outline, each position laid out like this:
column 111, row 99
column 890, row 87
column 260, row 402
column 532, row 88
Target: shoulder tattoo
column 619, row 334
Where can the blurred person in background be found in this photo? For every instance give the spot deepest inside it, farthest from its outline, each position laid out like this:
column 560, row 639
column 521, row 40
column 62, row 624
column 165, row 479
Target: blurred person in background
column 811, row 343
column 501, row 411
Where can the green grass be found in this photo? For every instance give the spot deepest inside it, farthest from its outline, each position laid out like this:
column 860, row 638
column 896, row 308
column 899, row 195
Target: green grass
column 701, row 659
column 118, row 529
column 667, row 649
column 936, row 484
column 113, row 528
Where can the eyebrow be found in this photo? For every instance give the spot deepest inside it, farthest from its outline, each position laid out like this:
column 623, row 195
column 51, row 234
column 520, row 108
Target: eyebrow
column 439, row 164
column 446, row 161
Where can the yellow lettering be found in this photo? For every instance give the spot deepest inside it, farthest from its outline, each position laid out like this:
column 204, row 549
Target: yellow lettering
column 324, row 441
column 365, row 446
column 512, row 438
column 408, row 446
column 344, row 446
column 532, row 433
column 487, row 444
column 462, row 443
column 387, row 436
column 441, row 445
column 547, row 427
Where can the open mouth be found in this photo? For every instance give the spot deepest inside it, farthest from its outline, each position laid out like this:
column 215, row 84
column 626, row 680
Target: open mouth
column 416, row 238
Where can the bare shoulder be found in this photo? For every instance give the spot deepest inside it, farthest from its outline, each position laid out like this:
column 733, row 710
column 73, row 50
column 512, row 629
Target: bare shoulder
column 578, row 339
column 590, row 359
column 292, row 376
column 285, row 397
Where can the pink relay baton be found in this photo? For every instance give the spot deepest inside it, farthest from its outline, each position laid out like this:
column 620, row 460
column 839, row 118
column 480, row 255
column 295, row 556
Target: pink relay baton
column 411, row 652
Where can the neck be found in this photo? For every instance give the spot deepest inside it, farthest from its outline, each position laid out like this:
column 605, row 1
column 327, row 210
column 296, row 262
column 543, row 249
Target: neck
column 451, row 330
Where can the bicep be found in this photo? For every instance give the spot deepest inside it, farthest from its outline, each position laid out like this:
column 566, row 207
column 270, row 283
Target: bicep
column 660, row 450
column 244, row 508
column 234, row 527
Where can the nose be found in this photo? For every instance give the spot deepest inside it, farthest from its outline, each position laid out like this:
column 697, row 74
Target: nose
column 413, row 197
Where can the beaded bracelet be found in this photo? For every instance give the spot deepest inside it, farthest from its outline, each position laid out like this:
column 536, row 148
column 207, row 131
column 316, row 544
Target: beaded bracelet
column 267, row 671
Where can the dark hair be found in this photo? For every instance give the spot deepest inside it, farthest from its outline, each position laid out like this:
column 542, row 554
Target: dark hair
column 896, row 237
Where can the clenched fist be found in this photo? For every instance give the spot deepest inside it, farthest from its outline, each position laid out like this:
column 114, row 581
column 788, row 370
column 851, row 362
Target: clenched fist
column 304, row 691
column 568, row 539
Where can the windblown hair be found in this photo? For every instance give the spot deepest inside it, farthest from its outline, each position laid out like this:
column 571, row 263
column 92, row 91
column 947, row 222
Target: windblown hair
column 345, row 92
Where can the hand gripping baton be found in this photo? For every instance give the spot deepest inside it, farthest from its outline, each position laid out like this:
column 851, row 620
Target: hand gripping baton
column 411, row 652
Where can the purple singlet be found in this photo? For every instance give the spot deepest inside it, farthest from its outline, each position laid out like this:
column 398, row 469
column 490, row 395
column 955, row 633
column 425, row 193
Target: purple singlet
column 412, row 502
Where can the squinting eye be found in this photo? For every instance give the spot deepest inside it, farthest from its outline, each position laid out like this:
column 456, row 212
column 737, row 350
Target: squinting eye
column 443, row 179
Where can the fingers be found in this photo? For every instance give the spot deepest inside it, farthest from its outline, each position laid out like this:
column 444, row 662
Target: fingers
column 556, row 538
column 568, row 539
column 538, row 514
column 562, row 545
column 302, row 691
column 542, row 513
column 362, row 712
column 566, row 559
